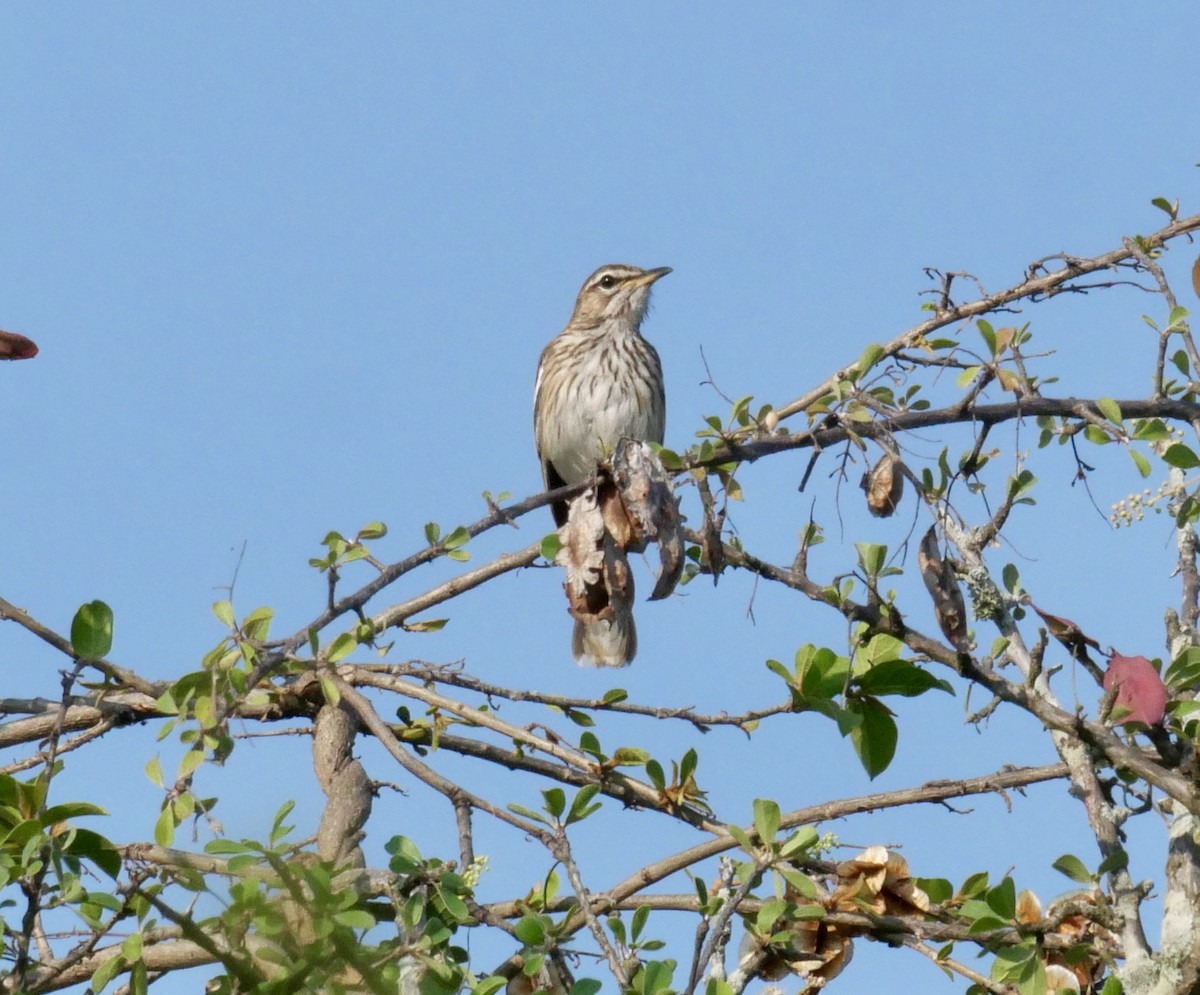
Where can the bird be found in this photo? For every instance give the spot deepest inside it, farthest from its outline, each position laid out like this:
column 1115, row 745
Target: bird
column 599, row 381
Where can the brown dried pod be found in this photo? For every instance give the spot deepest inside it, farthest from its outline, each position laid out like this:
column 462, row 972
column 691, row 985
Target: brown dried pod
column 884, row 486
column 938, row 574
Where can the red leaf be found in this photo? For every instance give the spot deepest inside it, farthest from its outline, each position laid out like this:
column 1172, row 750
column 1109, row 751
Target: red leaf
column 14, row 346
column 1141, row 694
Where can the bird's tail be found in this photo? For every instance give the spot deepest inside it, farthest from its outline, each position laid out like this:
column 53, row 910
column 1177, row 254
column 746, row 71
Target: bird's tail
column 606, row 642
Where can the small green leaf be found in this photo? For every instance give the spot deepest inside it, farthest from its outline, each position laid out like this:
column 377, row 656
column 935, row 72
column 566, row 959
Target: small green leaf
column 871, row 557
column 871, row 355
column 629, row 756
column 615, row 696
column 154, row 771
column 1140, row 461
column 375, row 530
column 740, row 837
column 1074, row 868
column 224, row 612
column 966, row 376
column 329, row 689
column 1003, row 899
column 355, row 919
column 551, row 544
column 341, row 647
column 164, row 828
column 1110, row 409
column 802, row 839
column 1115, row 861
column 1172, row 211
column 92, row 631
column 875, row 737
column 581, row 806
column 458, row 537
column 1179, row 455
column 766, row 819
column 528, row 813
column 529, row 931
column 556, row 801
column 432, row 532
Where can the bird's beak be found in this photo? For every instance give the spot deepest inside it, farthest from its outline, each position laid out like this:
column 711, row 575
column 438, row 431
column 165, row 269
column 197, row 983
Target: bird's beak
column 650, row 276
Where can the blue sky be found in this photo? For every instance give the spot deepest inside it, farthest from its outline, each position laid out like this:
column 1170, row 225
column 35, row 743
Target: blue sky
column 291, row 267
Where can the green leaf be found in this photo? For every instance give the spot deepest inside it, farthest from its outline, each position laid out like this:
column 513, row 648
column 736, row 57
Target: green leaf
column 107, row 970
column 988, row 334
column 529, row 931
column 164, row 828
column 341, row 647
column 375, row 530
column 1184, row 670
column 432, row 532
column 154, row 771
column 740, row 837
column 629, row 756
column 1003, row 899
column 902, row 678
column 528, row 813
column 586, row 986
column 355, row 919
column 966, row 376
column 1179, row 455
column 459, row 537
column 874, row 739
column 551, row 544
column 1140, row 461
column 1032, row 979
column 1074, row 868
column 939, row 890
column 871, row 557
column 224, row 612
column 657, row 976
column 974, row 885
column 92, row 631
column 581, row 806
column 490, row 985
column 766, row 819
column 802, row 839
column 1110, row 409
column 1115, row 861
column 330, row 690
column 640, row 915
column 615, row 696
column 871, row 355
column 556, row 801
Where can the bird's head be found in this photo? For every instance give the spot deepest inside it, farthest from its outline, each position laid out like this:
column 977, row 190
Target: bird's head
column 616, row 291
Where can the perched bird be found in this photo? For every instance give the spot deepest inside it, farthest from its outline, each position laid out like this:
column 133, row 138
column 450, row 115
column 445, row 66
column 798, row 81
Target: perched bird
column 599, row 381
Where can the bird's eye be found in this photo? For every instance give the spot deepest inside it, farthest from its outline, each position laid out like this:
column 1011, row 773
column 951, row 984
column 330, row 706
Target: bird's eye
column 608, row 281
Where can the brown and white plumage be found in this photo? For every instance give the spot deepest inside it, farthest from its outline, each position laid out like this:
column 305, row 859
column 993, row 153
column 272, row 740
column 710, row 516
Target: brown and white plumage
column 599, row 381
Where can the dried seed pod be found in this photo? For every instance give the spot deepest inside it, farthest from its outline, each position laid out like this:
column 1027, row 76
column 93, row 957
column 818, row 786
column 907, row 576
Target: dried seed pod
column 884, row 486
column 938, row 574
